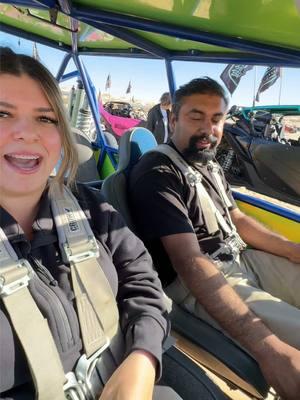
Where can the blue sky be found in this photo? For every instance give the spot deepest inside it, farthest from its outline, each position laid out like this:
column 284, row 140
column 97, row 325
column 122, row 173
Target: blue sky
column 148, row 77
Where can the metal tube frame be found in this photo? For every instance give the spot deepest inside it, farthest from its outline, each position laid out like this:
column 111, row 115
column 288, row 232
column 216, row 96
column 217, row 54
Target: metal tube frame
column 170, row 76
column 101, row 141
column 62, row 68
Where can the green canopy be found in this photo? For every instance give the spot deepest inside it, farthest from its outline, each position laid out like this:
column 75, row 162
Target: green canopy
column 267, row 31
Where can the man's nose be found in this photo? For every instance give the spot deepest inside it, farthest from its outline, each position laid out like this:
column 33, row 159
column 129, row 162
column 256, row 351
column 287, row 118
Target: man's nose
column 25, row 129
column 208, row 127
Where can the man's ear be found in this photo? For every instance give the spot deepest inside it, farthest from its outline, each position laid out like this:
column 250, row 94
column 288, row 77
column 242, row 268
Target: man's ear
column 172, row 122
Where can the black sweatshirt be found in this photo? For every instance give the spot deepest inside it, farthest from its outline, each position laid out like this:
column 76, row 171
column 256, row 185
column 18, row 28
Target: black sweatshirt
column 127, row 266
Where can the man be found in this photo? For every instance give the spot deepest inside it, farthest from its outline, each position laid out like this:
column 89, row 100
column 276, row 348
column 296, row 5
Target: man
column 253, row 295
column 158, row 119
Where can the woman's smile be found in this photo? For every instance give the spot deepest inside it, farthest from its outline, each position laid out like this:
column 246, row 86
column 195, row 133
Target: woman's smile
column 23, row 163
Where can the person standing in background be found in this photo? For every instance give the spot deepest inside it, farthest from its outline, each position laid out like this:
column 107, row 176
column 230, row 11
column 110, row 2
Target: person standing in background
column 158, row 119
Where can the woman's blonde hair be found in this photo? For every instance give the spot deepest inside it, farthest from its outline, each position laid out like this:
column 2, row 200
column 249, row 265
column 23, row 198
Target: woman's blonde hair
column 19, row 64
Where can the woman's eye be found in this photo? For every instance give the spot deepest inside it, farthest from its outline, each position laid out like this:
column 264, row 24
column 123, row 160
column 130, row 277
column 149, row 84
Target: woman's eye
column 4, row 114
column 48, row 120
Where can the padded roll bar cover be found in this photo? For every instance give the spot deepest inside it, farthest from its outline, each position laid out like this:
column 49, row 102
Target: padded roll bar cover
column 133, row 144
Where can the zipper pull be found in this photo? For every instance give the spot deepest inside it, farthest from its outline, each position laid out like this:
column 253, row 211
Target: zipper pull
column 43, row 271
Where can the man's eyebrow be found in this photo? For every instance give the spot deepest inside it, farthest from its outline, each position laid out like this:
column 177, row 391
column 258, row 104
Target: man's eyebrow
column 196, row 111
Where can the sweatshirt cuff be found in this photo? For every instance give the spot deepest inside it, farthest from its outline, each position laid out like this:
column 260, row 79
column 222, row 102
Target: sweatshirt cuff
column 146, row 334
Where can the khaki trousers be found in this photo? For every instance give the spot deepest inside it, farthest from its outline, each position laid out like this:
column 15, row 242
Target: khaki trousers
column 268, row 284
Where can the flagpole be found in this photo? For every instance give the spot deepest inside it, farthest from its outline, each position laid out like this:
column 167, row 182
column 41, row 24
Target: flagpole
column 254, row 87
column 280, row 86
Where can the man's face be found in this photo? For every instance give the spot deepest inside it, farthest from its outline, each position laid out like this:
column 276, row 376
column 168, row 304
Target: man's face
column 199, row 126
column 166, row 106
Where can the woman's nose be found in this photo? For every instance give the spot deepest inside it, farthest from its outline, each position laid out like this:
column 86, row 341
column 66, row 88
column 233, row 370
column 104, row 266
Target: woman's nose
column 25, row 129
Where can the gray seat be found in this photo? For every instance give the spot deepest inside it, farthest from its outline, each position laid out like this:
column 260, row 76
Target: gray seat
column 87, row 168
column 227, row 355
column 133, row 144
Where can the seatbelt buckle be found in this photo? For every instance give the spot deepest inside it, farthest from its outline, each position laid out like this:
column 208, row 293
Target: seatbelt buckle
column 91, row 251
column 85, row 366
column 79, row 385
column 236, row 244
column 193, row 178
column 213, row 167
column 15, row 277
column 73, row 389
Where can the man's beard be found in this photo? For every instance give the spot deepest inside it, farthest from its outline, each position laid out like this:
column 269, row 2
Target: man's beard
column 195, row 155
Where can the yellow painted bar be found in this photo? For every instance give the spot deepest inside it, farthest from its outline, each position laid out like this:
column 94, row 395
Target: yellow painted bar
column 282, row 225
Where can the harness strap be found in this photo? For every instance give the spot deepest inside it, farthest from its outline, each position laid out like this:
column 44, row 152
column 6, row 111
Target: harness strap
column 29, row 324
column 97, row 308
column 96, row 305
column 216, row 176
column 212, row 216
column 194, row 178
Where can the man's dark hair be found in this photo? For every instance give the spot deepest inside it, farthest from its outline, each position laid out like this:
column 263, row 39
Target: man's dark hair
column 204, row 85
column 165, row 99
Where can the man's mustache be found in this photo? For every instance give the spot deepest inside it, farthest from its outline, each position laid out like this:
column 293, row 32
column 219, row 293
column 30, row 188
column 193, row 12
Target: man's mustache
column 213, row 140
column 203, row 156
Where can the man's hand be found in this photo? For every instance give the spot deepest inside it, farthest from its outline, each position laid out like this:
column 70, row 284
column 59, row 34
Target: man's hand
column 261, row 238
column 293, row 252
column 133, row 380
column 281, row 369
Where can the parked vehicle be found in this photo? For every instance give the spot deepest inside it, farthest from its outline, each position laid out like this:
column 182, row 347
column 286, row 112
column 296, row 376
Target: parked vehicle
column 120, row 108
column 256, row 151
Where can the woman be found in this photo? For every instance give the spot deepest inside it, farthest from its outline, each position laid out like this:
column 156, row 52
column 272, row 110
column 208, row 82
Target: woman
column 34, row 134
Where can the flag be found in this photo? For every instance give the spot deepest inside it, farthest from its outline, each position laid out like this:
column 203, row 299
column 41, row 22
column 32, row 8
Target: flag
column 270, row 77
column 232, row 75
column 35, row 53
column 108, row 82
column 129, row 88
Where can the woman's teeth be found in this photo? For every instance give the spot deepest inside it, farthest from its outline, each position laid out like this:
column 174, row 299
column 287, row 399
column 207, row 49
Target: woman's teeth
column 24, row 157
column 23, row 161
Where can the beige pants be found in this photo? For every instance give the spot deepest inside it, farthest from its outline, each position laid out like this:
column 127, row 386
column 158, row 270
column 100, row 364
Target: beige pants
column 268, row 284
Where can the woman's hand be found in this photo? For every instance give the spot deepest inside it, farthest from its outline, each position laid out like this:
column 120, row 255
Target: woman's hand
column 133, row 380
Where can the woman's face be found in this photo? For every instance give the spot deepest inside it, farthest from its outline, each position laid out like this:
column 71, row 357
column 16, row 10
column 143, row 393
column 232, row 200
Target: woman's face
column 30, row 143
